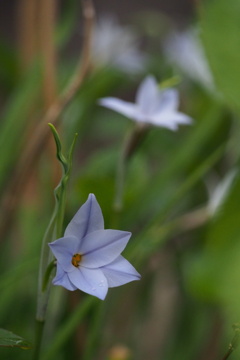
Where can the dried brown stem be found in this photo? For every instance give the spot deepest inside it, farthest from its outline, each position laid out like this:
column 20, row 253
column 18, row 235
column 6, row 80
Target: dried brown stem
column 226, row 356
column 26, row 18
column 234, row 343
column 34, row 147
column 45, row 30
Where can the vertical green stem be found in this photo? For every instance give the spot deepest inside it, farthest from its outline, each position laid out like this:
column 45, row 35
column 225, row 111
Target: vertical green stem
column 53, row 232
column 43, row 294
column 130, row 144
column 120, row 179
column 38, row 334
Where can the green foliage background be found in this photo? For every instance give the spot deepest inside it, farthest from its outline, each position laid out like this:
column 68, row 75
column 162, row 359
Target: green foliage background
column 189, row 257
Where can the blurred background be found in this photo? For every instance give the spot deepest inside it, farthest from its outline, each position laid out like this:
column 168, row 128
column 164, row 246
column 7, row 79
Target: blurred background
column 181, row 192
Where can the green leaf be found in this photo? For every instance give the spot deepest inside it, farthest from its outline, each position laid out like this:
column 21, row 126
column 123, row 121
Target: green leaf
column 148, row 241
column 221, row 39
column 214, row 274
column 8, row 339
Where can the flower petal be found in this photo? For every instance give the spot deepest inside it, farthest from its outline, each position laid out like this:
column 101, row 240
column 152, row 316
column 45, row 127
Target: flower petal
column 123, row 107
column 91, row 281
column 181, row 118
column 120, row 272
column 88, row 218
column 170, row 119
column 64, row 249
column 62, row 279
column 169, row 100
column 147, row 97
column 102, row 247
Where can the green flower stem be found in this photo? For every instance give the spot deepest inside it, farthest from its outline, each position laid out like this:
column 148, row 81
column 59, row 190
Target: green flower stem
column 54, row 231
column 48, row 273
column 130, row 145
column 44, row 260
column 38, row 335
column 234, row 343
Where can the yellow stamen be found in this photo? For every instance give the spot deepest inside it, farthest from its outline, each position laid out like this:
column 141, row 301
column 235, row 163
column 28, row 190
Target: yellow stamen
column 76, row 259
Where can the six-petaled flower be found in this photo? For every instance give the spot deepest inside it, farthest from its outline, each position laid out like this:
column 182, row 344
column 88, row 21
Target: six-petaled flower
column 153, row 106
column 88, row 257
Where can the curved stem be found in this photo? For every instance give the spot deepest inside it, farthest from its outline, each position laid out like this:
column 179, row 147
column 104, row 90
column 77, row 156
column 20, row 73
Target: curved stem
column 40, row 136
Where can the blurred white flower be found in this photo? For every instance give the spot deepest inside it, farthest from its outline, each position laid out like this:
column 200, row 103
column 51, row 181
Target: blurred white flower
column 219, row 194
column 153, row 106
column 116, row 45
column 184, row 50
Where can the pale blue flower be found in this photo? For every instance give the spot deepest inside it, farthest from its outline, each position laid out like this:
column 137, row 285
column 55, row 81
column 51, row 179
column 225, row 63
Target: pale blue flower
column 153, row 106
column 88, row 257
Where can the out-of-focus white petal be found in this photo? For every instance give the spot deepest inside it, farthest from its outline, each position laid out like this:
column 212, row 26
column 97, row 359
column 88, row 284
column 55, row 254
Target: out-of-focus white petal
column 120, row 272
column 62, row 279
column 88, row 218
column 153, row 106
column 220, row 193
column 102, row 247
column 91, row 281
column 185, row 51
column 116, row 45
column 123, row 107
column 64, row 249
column 169, row 100
column 170, row 120
column 147, row 97
column 132, row 62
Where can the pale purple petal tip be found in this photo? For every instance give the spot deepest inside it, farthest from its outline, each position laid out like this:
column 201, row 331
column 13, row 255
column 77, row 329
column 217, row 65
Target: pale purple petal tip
column 170, row 119
column 88, row 218
column 62, row 279
column 147, row 97
column 120, row 272
column 123, row 107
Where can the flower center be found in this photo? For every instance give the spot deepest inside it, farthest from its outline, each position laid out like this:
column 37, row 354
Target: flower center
column 76, row 259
